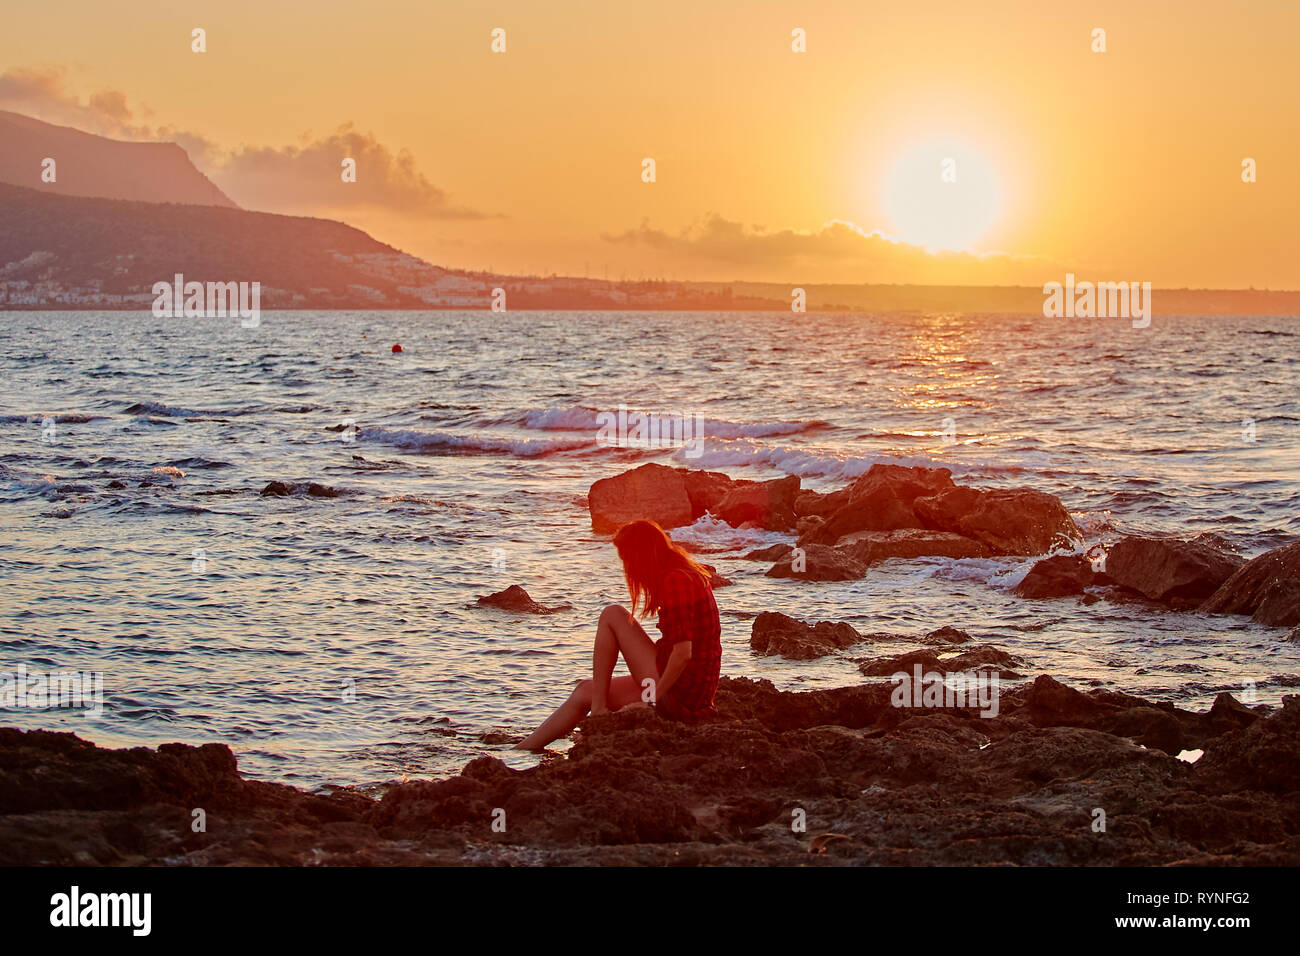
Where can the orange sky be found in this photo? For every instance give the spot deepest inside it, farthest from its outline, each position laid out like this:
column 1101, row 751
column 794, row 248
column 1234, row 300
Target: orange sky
column 1121, row 165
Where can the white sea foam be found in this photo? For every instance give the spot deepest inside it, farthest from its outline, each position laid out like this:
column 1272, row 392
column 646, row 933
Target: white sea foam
column 582, row 418
column 487, row 444
column 713, row 535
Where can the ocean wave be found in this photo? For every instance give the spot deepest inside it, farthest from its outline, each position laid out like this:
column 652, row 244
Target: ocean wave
column 69, row 418
column 447, row 442
column 170, row 411
column 584, row 418
column 710, row 535
column 810, row 463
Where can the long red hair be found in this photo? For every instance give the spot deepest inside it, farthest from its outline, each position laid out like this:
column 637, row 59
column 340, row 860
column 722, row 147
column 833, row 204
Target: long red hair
column 648, row 555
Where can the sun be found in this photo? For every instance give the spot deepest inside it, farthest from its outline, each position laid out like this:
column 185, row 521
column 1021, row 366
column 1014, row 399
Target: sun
column 942, row 194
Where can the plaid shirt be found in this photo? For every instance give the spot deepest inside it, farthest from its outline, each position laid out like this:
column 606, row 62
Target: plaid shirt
column 689, row 613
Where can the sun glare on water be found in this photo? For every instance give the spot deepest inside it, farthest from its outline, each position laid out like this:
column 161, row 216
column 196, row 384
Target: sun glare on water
column 942, row 194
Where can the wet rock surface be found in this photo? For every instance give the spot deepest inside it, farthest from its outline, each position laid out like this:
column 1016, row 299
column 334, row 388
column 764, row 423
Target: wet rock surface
column 516, row 599
column 1061, row 575
column 818, row 562
column 890, row 511
column 1170, row 570
column 872, row 547
column 1266, row 587
column 877, row 784
column 776, row 633
column 311, row 489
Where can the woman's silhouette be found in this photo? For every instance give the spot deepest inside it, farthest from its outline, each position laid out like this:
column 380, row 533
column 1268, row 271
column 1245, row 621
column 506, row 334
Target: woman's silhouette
column 678, row 674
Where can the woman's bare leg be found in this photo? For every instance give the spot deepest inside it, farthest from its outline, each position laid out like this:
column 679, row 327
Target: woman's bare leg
column 618, row 631
column 622, row 691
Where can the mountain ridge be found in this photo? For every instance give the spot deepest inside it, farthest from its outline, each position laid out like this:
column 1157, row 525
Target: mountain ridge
column 94, row 166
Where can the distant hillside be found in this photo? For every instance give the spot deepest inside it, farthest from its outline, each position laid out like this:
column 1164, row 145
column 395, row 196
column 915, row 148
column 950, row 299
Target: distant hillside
column 1014, row 299
column 60, row 251
column 71, row 252
column 90, row 165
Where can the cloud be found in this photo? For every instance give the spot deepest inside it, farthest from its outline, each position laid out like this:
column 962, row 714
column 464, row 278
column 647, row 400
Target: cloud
column 301, row 179
column 294, row 178
column 42, row 92
column 837, row 248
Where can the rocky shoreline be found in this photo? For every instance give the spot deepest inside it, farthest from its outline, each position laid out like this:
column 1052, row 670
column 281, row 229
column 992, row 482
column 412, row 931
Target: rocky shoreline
column 1041, row 773
column 873, row 783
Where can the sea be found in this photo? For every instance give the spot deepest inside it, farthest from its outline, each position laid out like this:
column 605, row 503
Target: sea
column 336, row 640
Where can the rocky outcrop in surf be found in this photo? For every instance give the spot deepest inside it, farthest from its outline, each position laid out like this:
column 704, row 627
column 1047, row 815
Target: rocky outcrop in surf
column 890, row 511
column 1172, row 571
column 1267, row 588
column 516, row 599
column 298, row 489
column 776, row 633
column 1061, row 575
column 674, row 497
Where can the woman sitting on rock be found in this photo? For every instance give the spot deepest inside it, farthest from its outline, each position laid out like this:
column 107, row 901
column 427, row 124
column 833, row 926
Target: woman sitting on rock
column 678, row 674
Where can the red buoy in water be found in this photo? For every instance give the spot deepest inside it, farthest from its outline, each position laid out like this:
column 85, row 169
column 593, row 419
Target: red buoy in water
column 396, row 349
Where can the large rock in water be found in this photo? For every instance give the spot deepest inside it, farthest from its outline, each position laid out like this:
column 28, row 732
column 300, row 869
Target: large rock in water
column 769, row 504
column 777, row 633
column 705, row 489
column 652, row 491
column 672, row 497
column 1267, row 587
column 872, row 547
column 880, row 500
column 1058, row 576
column 1170, row 570
column 1015, row 521
column 818, row 562
column 515, row 598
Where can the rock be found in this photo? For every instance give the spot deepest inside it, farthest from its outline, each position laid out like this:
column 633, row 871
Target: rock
column 1267, row 587
column 1057, row 576
column 881, row 786
column 767, row 504
column 776, row 633
column 772, row 553
column 1262, row 756
column 673, row 497
column 810, row 503
column 1169, row 570
column 880, row 500
column 1280, row 605
column 716, row 580
column 281, row 489
column 872, row 547
column 1049, row 703
column 1227, row 713
column 652, row 491
column 1294, row 636
column 515, row 598
column 705, row 490
column 947, row 635
column 115, row 484
column 807, row 524
column 819, row 562
column 981, row 657
column 1020, row 521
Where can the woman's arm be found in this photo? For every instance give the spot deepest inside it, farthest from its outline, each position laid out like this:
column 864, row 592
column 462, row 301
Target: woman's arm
column 677, row 661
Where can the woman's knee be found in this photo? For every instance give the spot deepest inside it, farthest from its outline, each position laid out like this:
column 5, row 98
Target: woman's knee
column 582, row 690
column 615, row 614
